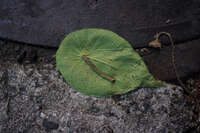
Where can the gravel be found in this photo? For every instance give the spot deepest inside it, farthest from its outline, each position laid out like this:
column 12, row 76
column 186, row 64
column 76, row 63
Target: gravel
column 34, row 98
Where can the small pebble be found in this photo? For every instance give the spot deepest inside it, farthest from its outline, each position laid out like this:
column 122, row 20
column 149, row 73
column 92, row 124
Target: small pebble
column 42, row 115
column 49, row 125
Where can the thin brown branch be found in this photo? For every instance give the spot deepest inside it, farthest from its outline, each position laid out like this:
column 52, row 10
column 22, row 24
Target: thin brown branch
column 94, row 68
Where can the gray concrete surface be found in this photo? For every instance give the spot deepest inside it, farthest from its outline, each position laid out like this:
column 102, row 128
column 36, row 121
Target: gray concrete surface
column 34, row 98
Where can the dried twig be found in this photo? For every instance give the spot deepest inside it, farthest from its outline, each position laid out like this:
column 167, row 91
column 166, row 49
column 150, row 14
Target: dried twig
column 94, row 68
column 157, row 44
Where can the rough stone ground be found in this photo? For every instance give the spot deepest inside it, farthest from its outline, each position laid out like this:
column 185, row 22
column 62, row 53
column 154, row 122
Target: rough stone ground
column 34, row 98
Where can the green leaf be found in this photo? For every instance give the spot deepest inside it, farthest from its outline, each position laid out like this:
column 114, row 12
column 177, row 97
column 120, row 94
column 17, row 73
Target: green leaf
column 100, row 63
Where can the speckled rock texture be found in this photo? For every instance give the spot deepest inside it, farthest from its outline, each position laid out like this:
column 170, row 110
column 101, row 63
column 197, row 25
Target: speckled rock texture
column 34, row 98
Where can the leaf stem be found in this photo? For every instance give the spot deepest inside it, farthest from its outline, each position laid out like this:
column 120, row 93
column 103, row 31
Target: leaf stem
column 94, row 68
column 156, row 41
